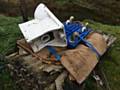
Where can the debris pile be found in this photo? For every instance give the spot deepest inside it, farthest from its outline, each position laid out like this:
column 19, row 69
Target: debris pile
column 54, row 51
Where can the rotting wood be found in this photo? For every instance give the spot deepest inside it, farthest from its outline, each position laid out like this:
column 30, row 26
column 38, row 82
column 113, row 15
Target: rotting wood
column 78, row 64
column 40, row 77
column 42, row 55
column 51, row 87
column 50, row 68
column 60, row 80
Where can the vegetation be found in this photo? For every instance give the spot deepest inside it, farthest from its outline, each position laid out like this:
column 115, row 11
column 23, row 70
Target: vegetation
column 9, row 33
column 111, row 63
column 106, row 11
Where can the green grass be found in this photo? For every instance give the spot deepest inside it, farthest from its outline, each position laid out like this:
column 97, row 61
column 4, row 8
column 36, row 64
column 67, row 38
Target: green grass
column 6, row 83
column 9, row 33
column 111, row 64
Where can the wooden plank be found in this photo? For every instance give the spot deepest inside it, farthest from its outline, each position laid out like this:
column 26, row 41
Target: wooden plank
column 60, row 80
column 79, row 63
column 82, row 60
column 98, row 42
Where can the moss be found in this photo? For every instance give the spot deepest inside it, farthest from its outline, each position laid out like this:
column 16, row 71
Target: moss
column 9, row 33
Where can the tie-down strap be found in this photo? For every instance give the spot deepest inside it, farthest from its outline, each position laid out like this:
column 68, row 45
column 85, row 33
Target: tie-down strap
column 88, row 44
column 54, row 52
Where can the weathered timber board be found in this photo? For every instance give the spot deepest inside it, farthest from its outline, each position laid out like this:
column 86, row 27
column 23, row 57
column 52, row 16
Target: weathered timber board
column 82, row 60
column 79, row 63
